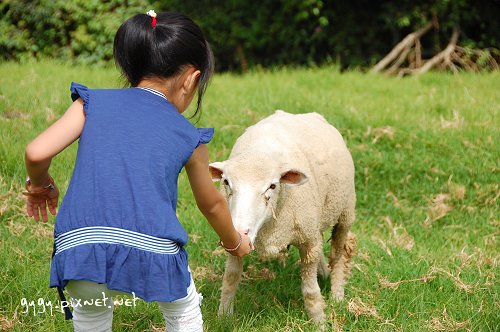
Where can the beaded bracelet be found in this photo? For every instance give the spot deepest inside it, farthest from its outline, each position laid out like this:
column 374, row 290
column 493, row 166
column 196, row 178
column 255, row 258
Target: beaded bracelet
column 229, row 250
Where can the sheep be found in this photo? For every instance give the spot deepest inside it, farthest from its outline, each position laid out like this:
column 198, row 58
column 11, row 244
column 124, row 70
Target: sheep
column 287, row 180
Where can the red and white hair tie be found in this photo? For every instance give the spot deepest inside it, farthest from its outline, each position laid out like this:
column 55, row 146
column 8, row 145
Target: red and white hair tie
column 152, row 14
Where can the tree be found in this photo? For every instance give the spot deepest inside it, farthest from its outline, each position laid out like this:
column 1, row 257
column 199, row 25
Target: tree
column 268, row 33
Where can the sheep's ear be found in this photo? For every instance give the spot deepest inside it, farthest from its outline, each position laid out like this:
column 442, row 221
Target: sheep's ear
column 216, row 170
column 294, row 177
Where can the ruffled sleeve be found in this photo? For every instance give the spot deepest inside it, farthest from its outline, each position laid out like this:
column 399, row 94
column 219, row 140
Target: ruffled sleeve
column 206, row 135
column 80, row 91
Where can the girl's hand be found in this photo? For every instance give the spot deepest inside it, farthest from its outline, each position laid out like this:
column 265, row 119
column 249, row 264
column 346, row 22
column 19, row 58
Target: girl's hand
column 41, row 150
column 212, row 204
column 245, row 248
column 38, row 205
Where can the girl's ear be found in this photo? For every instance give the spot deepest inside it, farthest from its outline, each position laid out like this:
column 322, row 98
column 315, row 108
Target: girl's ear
column 190, row 80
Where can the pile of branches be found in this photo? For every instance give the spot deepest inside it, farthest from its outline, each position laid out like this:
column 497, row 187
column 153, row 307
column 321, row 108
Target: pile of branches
column 453, row 57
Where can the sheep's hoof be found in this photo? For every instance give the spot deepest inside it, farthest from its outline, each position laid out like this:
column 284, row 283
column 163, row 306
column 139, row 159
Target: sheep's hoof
column 225, row 309
column 338, row 295
column 319, row 320
column 316, row 312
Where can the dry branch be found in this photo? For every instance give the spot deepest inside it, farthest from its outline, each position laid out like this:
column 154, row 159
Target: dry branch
column 453, row 57
column 443, row 55
column 405, row 71
column 464, row 64
column 408, row 40
column 243, row 60
column 418, row 51
column 400, row 60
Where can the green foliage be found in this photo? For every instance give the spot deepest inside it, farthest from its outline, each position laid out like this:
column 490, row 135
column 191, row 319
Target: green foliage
column 281, row 32
column 242, row 33
column 427, row 216
column 78, row 29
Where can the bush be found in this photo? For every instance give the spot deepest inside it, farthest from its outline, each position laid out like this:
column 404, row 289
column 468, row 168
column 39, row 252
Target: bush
column 246, row 34
column 285, row 32
column 82, row 30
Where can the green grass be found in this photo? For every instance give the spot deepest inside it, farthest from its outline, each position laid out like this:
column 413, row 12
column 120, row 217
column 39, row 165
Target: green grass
column 427, row 180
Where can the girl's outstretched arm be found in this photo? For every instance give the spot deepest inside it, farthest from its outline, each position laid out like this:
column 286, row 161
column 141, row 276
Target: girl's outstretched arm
column 212, row 204
column 39, row 154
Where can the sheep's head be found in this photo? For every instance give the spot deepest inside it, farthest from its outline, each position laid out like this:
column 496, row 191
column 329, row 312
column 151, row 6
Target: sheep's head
column 251, row 183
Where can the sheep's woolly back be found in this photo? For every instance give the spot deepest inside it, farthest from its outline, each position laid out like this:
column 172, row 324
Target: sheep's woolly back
column 284, row 130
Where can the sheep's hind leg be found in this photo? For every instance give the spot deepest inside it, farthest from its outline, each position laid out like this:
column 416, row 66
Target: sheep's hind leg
column 232, row 275
column 313, row 300
column 323, row 269
column 344, row 244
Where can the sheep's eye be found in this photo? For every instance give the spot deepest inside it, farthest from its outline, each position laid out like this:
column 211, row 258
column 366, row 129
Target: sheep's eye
column 226, row 182
column 273, row 186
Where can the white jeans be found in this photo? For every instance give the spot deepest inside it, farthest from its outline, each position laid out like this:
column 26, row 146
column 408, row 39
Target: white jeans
column 180, row 315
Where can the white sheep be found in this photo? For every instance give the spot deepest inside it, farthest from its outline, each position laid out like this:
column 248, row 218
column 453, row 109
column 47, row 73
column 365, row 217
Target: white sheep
column 287, row 180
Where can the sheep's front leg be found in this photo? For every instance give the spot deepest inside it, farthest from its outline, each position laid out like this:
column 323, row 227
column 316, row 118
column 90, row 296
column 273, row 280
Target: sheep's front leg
column 232, row 275
column 314, row 301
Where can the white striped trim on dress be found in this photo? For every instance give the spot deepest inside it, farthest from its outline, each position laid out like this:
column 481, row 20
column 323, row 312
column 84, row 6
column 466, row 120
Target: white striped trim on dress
column 111, row 235
column 158, row 93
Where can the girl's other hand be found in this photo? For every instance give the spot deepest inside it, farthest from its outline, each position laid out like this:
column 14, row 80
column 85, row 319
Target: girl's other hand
column 38, row 205
column 245, row 248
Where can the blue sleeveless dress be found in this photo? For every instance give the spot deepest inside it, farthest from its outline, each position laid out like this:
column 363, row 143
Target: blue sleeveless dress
column 117, row 223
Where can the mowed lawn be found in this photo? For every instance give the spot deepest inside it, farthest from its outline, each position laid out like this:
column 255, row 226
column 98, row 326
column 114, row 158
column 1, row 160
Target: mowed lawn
column 426, row 152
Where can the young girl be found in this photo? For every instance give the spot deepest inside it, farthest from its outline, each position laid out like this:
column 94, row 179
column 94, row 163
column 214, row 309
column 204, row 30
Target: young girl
column 116, row 231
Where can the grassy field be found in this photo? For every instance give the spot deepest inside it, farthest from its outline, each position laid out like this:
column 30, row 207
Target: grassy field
column 428, row 188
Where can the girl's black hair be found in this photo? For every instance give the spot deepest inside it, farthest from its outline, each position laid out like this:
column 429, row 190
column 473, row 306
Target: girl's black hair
column 142, row 51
